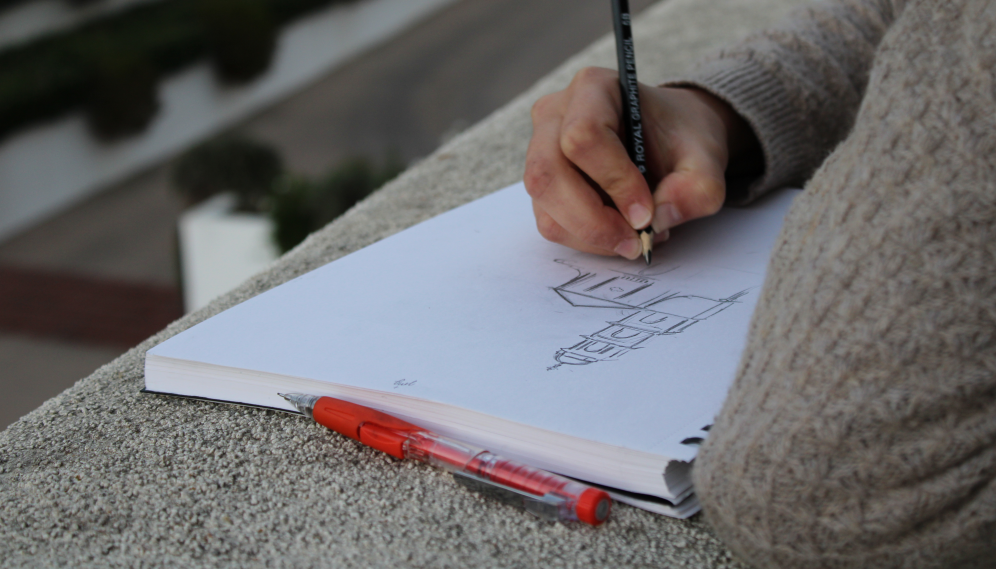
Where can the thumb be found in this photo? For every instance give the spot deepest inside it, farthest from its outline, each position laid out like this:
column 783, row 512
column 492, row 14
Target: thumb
column 696, row 188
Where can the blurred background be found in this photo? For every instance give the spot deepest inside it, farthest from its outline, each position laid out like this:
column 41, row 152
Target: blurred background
column 155, row 153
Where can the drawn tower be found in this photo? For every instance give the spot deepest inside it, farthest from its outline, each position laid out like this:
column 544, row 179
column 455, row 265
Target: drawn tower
column 654, row 313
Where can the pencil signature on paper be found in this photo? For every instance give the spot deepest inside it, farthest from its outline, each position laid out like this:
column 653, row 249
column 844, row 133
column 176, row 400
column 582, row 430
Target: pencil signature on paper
column 404, row 383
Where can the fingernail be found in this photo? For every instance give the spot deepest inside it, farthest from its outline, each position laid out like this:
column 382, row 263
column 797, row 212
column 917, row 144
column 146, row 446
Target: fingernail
column 662, row 236
column 639, row 216
column 630, row 248
column 666, row 217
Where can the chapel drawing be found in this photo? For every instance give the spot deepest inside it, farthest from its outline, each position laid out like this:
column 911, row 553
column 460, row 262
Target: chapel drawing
column 651, row 312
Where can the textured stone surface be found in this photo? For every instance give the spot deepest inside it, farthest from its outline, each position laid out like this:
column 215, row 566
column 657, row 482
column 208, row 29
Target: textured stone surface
column 104, row 475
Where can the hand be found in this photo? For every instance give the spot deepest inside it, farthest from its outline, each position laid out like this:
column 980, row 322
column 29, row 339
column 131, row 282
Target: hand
column 576, row 158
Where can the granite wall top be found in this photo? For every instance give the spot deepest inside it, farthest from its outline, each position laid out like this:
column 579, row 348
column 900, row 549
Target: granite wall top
column 104, row 475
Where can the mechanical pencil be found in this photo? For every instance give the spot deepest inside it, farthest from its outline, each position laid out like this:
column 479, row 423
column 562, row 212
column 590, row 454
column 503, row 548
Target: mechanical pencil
column 632, row 119
column 541, row 493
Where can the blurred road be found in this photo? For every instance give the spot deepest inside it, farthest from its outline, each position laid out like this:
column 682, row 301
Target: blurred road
column 83, row 286
column 431, row 81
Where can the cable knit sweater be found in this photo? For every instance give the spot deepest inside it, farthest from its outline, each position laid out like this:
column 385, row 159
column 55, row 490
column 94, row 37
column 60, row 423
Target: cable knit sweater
column 861, row 428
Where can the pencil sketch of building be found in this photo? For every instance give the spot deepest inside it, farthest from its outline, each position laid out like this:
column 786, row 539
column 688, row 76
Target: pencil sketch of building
column 652, row 311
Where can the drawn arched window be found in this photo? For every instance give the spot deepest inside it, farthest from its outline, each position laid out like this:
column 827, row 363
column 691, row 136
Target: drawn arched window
column 653, row 318
column 620, row 333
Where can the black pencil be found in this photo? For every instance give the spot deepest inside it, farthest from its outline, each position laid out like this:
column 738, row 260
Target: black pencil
column 632, row 119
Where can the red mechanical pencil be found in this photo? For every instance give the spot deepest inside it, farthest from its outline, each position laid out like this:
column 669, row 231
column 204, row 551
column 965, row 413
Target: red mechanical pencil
column 546, row 495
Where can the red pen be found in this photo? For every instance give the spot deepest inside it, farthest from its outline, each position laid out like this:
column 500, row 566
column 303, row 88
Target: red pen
column 544, row 494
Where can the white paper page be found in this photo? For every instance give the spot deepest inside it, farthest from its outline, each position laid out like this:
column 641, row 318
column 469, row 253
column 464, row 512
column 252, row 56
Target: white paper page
column 474, row 309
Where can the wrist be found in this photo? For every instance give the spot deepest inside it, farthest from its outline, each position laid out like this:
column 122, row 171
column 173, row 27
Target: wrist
column 740, row 138
column 745, row 161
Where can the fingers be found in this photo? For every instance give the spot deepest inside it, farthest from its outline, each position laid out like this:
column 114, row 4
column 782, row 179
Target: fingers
column 576, row 152
column 590, row 139
column 694, row 134
column 552, row 231
column 695, row 188
column 568, row 209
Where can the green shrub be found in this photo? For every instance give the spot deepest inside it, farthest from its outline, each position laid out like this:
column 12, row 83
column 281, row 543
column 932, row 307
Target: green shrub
column 123, row 95
column 170, row 34
column 40, row 84
column 300, row 207
column 291, row 211
column 55, row 74
column 345, row 185
column 59, row 73
column 350, row 182
column 229, row 163
column 287, row 10
column 241, row 36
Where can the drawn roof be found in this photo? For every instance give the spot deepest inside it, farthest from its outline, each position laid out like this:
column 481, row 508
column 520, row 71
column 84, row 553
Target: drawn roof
column 579, row 299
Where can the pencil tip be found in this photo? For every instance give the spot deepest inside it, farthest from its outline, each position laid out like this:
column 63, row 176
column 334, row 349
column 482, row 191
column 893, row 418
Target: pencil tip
column 647, row 241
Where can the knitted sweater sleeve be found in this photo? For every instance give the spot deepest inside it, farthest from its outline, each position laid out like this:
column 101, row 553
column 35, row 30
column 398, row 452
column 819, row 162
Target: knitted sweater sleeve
column 860, row 429
column 798, row 86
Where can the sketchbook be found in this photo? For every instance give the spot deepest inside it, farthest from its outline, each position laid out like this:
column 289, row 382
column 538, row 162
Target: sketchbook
column 474, row 326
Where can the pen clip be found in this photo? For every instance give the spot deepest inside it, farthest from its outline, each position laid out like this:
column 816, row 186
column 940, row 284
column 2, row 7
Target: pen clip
column 550, row 507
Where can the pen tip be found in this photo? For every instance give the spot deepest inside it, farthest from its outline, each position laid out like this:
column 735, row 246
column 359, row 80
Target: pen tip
column 301, row 402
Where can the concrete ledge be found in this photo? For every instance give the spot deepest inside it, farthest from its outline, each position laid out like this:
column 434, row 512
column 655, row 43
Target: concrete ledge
column 104, row 475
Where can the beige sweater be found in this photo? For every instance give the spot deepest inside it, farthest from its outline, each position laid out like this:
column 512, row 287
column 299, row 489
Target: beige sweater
column 861, row 428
